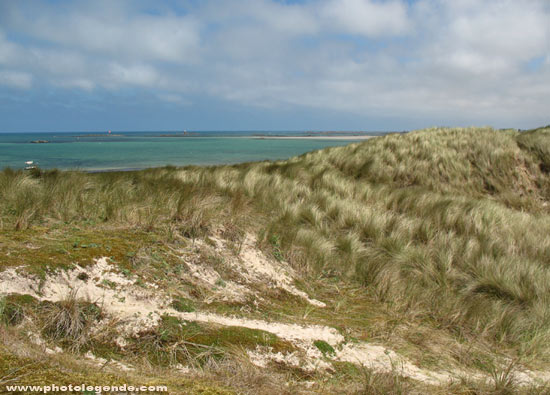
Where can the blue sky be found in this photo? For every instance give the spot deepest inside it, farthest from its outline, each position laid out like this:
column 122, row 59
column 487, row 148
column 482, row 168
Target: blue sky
column 273, row 65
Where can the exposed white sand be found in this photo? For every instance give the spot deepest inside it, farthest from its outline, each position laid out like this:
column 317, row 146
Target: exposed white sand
column 137, row 309
column 134, row 306
column 255, row 266
column 291, row 332
column 252, row 266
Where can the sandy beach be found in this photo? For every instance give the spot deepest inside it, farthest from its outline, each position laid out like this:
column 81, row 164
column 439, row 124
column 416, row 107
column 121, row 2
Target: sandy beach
column 345, row 137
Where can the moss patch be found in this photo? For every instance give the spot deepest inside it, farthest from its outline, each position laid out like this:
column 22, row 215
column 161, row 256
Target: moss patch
column 183, row 304
column 32, row 372
column 324, row 347
column 177, row 341
column 41, row 250
column 28, row 371
column 13, row 308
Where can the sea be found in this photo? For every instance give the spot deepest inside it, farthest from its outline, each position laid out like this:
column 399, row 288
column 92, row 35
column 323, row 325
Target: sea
column 101, row 151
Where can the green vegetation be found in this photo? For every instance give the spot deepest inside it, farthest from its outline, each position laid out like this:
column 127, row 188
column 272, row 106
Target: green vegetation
column 176, row 341
column 324, row 347
column 446, row 228
column 12, row 308
column 183, row 304
column 537, row 142
column 44, row 371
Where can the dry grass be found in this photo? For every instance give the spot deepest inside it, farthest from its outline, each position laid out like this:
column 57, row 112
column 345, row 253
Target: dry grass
column 443, row 226
column 69, row 321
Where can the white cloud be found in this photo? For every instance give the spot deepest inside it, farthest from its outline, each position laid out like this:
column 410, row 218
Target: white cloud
column 8, row 51
column 79, row 83
column 56, row 61
column 15, row 79
column 115, row 29
column 484, row 37
column 134, row 75
column 265, row 15
column 435, row 59
column 515, row 31
column 366, row 17
column 476, row 62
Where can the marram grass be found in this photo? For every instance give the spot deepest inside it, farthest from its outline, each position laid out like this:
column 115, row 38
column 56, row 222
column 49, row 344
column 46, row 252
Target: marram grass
column 447, row 225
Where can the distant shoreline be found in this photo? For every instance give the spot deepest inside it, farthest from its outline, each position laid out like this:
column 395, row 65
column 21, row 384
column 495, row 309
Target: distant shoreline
column 98, row 135
column 132, row 152
column 316, row 137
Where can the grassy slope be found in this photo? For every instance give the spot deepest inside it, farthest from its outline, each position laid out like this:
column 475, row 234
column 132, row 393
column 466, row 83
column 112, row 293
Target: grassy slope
column 444, row 228
column 450, row 224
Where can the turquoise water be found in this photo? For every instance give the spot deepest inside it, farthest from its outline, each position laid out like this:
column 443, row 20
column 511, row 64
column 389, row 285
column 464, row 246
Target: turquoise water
column 137, row 150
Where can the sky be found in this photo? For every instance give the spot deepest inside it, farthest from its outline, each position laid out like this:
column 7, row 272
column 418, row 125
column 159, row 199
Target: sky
column 273, row 65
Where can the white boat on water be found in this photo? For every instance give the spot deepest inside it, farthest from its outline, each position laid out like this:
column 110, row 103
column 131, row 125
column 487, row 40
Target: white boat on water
column 30, row 165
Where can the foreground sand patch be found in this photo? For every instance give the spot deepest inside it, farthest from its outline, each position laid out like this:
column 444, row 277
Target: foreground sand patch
column 139, row 308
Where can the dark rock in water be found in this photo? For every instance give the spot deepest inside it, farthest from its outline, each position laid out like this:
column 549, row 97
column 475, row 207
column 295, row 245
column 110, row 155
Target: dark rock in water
column 40, row 141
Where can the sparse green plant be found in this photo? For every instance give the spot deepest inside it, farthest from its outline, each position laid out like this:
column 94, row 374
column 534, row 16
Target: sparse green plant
column 83, row 276
column 108, row 283
column 383, row 383
column 503, row 377
column 324, row 347
column 183, row 304
column 274, row 240
column 14, row 308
